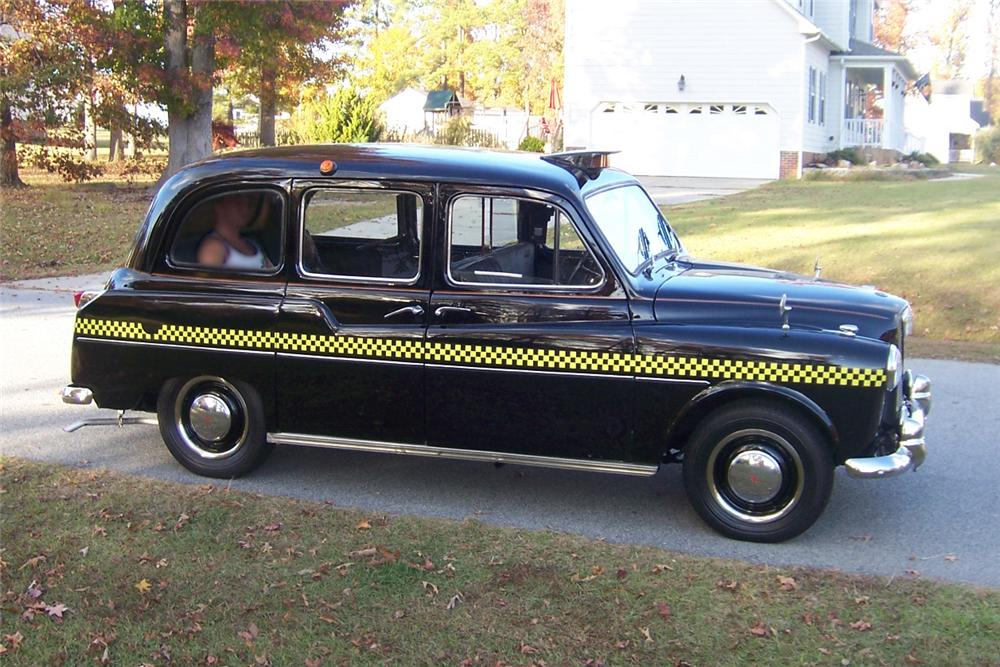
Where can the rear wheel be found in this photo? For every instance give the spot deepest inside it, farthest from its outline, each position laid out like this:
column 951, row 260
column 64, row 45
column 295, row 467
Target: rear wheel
column 213, row 427
column 759, row 472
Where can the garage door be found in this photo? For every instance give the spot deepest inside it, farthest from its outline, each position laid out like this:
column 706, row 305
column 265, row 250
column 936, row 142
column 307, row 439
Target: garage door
column 714, row 140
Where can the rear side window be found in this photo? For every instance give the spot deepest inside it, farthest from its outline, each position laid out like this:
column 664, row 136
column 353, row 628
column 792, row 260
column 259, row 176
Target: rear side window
column 232, row 231
column 362, row 235
column 511, row 241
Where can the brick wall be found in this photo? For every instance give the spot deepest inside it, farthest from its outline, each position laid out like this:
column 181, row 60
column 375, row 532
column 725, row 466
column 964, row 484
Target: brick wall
column 789, row 164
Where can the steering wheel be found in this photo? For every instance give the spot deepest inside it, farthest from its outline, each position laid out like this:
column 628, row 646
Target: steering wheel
column 581, row 265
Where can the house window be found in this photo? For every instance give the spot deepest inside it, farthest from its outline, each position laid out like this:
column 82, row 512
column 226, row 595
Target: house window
column 716, row 109
column 822, row 98
column 812, row 94
column 740, row 109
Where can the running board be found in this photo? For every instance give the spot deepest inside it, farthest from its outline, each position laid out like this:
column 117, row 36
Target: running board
column 110, row 421
column 615, row 467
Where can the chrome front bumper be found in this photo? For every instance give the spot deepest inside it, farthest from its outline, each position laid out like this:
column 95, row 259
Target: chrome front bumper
column 912, row 447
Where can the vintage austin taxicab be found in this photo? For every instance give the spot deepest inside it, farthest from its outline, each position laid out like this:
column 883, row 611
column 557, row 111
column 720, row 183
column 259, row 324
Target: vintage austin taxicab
column 497, row 307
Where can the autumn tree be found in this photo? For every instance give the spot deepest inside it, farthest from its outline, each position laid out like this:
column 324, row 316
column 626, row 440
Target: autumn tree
column 43, row 68
column 274, row 47
column 891, row 25
column 951, row 39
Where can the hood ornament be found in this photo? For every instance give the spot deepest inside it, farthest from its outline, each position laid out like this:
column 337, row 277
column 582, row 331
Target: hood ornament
column 817, row 269
column 783, row 310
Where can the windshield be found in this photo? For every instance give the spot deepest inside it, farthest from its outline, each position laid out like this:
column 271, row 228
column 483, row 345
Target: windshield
column 632, row 224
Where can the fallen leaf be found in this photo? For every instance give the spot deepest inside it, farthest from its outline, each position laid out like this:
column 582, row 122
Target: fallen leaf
column 181, row 521
column 363, row 553
column 663, row 610
column 527, row 650
column 364, row 524
column 597, row 570
column 56, row 610
column 454, row 601
column 622, row 573
column 730, row 585
column 912, row 659
column 314, row 662
column 951, row 558
column 431, row 588
column 861, row 600
column 825, row 651
column 83, row 551
column 645, row 633
column 661, row 568
column 272, row 527
column 14, row 640
column 913, row 573
column 143, row 586
column 861, row 625
column 760, row 629
column 34, row 591
column 788, row 583
column 32, row 562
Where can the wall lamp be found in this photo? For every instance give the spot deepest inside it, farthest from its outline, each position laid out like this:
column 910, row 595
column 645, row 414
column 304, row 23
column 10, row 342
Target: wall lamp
column 681, row 83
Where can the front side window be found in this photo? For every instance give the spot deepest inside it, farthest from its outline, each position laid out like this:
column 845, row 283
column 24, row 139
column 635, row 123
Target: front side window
column 633, row 226
column 509, row 241
column 232, row 231
column 362, row 235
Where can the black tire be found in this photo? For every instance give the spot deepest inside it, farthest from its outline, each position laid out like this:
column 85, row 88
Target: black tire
column 232, row 450
column 758, row 471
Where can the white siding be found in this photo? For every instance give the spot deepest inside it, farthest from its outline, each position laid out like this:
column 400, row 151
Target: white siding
column 816, row 135
column 742, row 51
column 832, row 18
column 835, row 102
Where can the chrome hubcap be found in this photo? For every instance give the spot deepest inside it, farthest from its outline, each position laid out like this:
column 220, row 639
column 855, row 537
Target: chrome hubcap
column 755, row 476
column 210, row 417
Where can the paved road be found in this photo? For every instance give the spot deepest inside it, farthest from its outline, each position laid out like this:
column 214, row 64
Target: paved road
column 675, row 190
column 950, row 507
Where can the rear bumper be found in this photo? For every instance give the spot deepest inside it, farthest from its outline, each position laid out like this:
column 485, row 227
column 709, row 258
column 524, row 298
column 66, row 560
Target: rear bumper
column 912, row 447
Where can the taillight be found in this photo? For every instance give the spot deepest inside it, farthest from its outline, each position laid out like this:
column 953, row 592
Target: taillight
column 84, row 297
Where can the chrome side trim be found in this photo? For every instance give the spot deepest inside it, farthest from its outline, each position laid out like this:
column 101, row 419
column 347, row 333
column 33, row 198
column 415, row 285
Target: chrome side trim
column 645, row 378
column 110, row 421
column 171, row 346
column 416, row 363
column 617, row 467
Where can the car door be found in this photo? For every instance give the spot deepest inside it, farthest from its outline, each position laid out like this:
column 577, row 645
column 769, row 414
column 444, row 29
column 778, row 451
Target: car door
column 353, row 319
column 527, row 334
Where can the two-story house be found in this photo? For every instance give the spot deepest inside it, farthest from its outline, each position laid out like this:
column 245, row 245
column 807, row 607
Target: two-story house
column 731, row 88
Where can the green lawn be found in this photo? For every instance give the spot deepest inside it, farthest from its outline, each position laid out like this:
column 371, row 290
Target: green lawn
column 937, row 243
column 99, row 568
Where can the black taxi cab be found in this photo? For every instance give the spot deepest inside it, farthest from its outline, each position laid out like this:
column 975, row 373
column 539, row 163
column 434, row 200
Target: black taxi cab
column 499, row 307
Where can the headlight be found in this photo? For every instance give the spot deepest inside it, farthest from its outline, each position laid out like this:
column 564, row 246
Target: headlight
column 894, row 368
column 908, row 320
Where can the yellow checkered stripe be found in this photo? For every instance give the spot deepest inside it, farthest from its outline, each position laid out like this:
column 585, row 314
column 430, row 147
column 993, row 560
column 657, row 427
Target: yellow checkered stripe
column 609, row 363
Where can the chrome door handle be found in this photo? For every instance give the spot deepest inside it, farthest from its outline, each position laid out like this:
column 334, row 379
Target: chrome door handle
column 441, row 311
column 413, row 310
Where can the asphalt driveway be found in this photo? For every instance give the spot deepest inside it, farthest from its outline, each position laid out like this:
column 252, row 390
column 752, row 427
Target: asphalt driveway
column 942, row 522
column 674, row 190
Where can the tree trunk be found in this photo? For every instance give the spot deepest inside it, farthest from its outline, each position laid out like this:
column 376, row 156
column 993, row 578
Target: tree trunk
column 89, row 129
column 189, row 129
column 268, row 102
column 9, row 177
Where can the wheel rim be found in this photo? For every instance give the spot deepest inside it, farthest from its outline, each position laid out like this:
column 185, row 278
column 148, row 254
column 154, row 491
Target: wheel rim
column 211, row 418
column 755, row 475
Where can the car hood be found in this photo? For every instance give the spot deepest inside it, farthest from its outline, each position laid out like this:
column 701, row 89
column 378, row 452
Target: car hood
column 705, row 292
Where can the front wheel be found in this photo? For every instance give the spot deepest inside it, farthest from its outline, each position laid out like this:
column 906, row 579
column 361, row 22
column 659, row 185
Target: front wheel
column 213, row 427
column 756, row 471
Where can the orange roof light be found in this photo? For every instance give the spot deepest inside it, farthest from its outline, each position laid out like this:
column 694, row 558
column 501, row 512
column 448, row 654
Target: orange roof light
column 327, row 167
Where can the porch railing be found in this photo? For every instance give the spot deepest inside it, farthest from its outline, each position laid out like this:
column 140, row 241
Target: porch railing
column 862, row 132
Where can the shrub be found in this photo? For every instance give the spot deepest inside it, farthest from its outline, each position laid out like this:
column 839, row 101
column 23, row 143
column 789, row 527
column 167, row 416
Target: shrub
column 344, row 117
column 925, row 159
column 988, row 145
column 532, row 144
column 850, row 154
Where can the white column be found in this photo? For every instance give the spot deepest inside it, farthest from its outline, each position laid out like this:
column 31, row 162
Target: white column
column 888, row 106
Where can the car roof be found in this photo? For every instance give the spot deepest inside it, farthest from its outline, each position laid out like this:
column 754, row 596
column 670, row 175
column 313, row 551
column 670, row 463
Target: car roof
column 394, row 161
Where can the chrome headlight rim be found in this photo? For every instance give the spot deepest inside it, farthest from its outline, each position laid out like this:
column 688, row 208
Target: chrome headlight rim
column 907, row 317
column 894, row 368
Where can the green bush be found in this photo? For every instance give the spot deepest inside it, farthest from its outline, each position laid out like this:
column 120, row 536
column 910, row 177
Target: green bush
column 344, row 117
column 988, row 145
column 850, row 154
column 532, row 145
column 925, row 159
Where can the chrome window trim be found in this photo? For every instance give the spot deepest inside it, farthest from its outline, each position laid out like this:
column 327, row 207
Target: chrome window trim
column 303, row 205
column 520, row 287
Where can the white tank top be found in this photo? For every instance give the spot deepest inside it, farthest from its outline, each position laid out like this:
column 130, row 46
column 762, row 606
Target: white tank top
column 237, row 260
